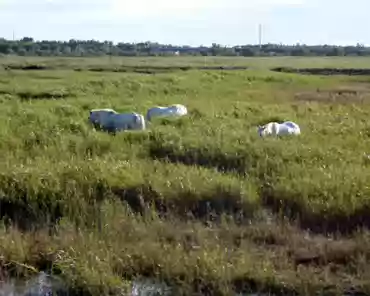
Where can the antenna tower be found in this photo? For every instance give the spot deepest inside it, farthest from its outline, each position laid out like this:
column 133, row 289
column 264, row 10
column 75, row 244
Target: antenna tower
column 260, row 35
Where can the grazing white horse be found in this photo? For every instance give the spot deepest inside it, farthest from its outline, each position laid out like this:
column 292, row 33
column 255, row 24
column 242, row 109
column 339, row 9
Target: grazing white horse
column 110, row 120
column 175, row 110
column 279, row 129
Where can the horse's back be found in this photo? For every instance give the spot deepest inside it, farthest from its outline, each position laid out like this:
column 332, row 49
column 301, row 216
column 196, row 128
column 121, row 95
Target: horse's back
column 286, row 129
column 156, row 110
column 131, row 120
column 291, row 124
column 103, row 110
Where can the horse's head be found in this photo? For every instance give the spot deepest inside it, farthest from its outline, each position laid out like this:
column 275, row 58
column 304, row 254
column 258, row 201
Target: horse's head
column 148, row 114
column 92, row 116
column 261, row 129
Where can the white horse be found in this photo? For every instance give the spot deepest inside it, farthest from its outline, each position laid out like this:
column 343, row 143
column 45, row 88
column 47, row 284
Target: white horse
column 110, row 120
column 175, row 110
column 279, row 129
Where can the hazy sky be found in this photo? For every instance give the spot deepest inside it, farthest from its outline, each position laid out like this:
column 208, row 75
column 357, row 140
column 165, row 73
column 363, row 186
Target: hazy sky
column 193, row 22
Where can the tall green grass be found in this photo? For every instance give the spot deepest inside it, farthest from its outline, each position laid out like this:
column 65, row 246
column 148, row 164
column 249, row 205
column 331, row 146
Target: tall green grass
column 183, row 200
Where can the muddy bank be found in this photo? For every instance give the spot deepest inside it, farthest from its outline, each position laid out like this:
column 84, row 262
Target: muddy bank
column 158, row 69
column 339, row 96
column 142, row 69
column 323, row 71
column 32, row 67
column 35, row 95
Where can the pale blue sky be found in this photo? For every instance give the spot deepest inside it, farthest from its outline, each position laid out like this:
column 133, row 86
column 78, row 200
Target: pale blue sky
column 192, row 22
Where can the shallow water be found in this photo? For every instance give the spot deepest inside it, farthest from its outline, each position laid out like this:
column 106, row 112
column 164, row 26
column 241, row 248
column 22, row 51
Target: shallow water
column 148, row 287
column 45, row 285
column 41, row 285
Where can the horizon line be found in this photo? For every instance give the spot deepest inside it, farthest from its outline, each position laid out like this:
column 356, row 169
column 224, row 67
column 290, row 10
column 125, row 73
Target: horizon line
column 187, row 45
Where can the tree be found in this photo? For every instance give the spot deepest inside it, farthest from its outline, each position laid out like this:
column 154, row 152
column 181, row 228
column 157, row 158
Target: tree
column 27, row 39
column 28, row 46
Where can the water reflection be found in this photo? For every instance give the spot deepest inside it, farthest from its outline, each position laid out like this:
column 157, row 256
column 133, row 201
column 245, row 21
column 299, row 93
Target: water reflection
column 149, row 287
column 46, row 285
column 41, row 285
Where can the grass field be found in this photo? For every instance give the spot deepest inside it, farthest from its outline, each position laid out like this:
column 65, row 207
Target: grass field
column 200, row 202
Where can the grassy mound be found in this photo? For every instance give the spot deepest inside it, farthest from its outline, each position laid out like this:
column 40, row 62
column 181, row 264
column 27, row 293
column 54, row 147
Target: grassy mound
column 324, row 71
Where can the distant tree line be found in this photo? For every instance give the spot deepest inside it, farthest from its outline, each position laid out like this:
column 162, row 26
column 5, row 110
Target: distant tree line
column 27, row 46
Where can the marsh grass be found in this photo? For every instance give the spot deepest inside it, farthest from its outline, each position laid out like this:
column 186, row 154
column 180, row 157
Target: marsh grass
column 189, row 200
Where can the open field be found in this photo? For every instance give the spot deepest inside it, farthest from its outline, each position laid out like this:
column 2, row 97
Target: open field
column 255, row 63
column 201, row 202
